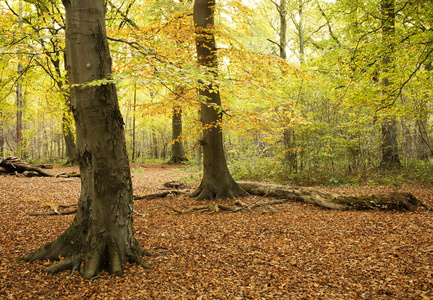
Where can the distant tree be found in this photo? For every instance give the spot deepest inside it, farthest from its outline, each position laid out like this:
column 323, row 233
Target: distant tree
column 101, row 234
column 217, row 181
column 390, row 158
column 46, row 22
column 177, row 147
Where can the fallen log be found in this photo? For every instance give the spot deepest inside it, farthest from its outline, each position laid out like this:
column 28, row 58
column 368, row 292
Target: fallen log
column 43, row 166
column 14, row 165
column 159, row 195
column 399, row 201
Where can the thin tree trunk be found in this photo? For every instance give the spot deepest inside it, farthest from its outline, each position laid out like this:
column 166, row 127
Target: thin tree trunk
column 283, row 29
column 2, row 138
column 154, row 144
column 19, row 90
column 423, row 144
column 301, row 33
column 133, row 122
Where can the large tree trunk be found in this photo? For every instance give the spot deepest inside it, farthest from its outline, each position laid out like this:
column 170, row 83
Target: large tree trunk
column 389, row 147
column 385, row 201
column 217, row 181
column 101, row 235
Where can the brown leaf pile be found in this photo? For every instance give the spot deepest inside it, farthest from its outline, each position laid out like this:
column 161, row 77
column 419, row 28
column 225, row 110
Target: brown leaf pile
column 299, row 252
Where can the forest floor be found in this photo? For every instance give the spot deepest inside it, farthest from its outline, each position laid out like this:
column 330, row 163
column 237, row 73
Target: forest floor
column 298, row 252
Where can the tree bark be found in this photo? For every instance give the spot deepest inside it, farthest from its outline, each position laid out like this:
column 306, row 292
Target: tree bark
column 386, row 201
column 19, row 123
column 217, row 181
column 101, row 234
column 291, row 156
column 423, row 141
column 71, row 149
column 2, row 139
column 177, row 148
column 283, row 29
column 389, row 147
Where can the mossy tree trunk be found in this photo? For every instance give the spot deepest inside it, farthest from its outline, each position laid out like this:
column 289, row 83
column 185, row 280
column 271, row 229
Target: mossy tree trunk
column 101, row 235
column 217, row 181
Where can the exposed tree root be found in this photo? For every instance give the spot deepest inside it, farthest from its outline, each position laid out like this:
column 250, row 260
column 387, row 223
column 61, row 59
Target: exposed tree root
column 56, row 210
column 88, row 257
column 60, row 213
column 72, row 264
column 209, row 191
column 217, row 207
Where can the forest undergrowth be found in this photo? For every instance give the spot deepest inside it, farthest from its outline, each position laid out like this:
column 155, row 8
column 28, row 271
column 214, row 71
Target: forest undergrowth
column 298, row 252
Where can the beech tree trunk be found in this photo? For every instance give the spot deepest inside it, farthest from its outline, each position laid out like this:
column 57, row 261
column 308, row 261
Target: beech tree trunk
column 177, row 148
column 101, row 234
column 389, row 147
column 217, row 181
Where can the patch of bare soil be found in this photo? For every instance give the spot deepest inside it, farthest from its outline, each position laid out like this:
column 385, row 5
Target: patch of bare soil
column 299, row 252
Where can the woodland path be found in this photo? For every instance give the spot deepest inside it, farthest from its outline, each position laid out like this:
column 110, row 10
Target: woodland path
column 298, row 252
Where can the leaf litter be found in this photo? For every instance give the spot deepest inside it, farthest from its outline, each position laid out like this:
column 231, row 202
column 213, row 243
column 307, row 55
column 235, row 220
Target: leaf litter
column 298, row 252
